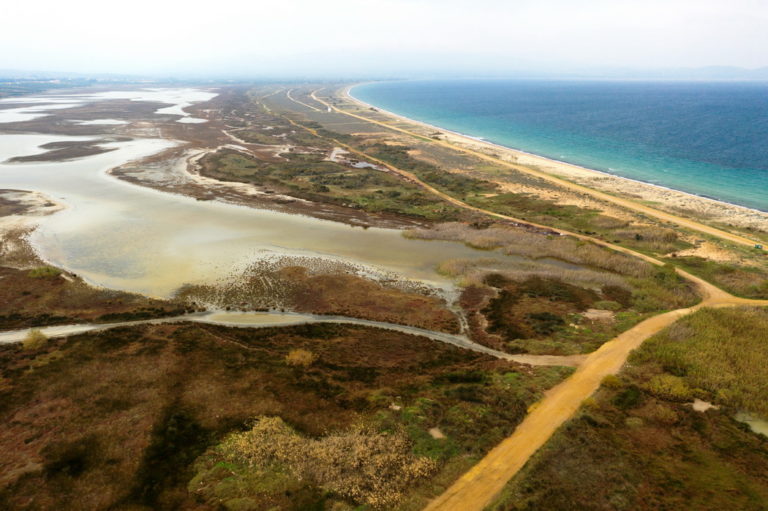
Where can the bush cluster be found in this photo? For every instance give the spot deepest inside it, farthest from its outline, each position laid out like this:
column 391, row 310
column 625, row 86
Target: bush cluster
column 362, row 465
column 35, row 339
column 300, row 358
column 44, row 272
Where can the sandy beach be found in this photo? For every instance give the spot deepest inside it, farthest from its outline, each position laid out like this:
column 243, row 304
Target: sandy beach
column 658, row 197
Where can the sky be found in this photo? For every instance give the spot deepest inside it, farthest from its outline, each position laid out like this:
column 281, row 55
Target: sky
column 377, row 38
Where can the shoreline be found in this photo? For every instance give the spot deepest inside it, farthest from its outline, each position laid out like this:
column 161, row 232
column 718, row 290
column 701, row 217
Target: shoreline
column 176, row 171
column 676, row 200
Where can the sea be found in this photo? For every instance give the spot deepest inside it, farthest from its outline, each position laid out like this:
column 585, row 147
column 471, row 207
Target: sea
column 705, row 138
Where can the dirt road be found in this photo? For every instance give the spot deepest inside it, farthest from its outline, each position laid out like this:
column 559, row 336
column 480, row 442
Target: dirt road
column 478, row 487
column 412, row 178
column 273, row 319
column 626, row 203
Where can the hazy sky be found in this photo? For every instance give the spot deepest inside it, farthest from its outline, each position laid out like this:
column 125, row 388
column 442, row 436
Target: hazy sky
column 365, row 37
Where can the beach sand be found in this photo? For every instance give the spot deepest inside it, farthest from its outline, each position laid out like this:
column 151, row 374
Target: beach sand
column 658, row 197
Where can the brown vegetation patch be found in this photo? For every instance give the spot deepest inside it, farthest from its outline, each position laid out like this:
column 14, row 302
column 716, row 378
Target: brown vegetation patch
column 37, row 298
column 533, row 308
column 58, row 121
column 327, row 287
column 12, row 203
column 350, row 295
column 115, row 419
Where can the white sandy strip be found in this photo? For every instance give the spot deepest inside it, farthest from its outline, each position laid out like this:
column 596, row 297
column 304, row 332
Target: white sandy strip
column 717, row 210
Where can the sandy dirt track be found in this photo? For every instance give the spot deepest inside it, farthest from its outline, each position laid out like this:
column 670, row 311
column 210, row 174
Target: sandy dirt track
column 482, row 483
column 478, row 487
column 626, row 203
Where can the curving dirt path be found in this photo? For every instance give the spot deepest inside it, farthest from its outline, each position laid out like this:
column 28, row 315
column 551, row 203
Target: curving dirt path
column 478, row 487
column 273, row 319
column 411, row 177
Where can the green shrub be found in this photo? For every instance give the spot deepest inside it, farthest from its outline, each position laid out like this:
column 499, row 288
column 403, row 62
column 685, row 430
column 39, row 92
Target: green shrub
column 721, row 351
column 608, row 305
column 662, row 413
column 34, row 340
column 44, row 272
column 612, row 382
column 628, row 398
column 591, row 404
column 668, row 386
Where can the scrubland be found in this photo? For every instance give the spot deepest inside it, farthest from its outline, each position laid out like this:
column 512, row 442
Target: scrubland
column 186, row 417
column 541, row 304
column 639, row 444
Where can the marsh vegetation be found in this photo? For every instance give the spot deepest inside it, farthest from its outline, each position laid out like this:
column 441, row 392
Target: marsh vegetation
column 535, row 306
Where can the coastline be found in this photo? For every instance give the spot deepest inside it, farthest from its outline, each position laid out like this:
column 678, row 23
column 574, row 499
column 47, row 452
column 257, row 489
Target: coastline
column 662, row 197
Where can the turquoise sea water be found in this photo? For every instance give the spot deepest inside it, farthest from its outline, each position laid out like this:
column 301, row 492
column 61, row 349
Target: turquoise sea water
column 710, row 139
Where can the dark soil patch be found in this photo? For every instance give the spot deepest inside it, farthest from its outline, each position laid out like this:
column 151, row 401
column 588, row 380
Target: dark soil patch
column 534, row 308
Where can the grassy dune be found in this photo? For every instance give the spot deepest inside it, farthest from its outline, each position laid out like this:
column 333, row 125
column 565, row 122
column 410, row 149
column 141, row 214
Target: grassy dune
column 720, row 354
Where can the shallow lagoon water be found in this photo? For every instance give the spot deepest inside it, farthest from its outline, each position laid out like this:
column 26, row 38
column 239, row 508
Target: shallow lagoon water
column 100, row 122
column 123, row 236
column 31, row 112
column 755, row 423
column 128, row 237
column 178, row 98
column 35, row 107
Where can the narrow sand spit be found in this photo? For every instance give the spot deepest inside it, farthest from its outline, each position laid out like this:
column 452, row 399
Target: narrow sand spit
column 660, row 197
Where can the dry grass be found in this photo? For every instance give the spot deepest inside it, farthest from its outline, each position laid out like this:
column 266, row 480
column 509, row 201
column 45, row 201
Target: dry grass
column 537, row 246
column 35, row 339
column 323, row 286
column 44, row 272
column 300, row 358
column 361, row 465
column 473, row 272
column 27, row 301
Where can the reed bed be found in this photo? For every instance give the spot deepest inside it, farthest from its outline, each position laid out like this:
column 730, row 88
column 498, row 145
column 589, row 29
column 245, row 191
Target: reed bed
column 536, row 246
